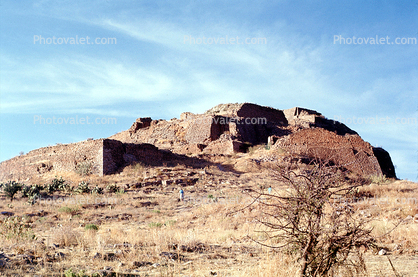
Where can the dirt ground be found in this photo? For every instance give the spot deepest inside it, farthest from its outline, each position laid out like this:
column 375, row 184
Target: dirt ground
column 145, row 230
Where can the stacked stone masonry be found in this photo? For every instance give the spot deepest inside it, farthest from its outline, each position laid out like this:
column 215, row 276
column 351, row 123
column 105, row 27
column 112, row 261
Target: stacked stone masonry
column 102, row 156
column 224, row 129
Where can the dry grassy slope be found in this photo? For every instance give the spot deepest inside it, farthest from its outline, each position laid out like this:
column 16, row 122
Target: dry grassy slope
column 121, row 136
column 147, row 230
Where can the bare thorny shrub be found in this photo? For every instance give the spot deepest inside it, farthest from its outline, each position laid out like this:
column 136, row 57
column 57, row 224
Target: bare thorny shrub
column 309, row 220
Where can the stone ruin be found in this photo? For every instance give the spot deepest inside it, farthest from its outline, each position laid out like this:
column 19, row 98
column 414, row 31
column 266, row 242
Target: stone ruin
column 101, row 156
column 349, row 151
column 229, row 128
column 224, row 129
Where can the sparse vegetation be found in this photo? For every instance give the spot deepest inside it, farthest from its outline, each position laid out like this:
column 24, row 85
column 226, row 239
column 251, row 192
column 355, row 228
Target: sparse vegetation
column 57, row 185
column 170, row 222
column 84, row 168
column 378, row 179
column 155, row 225
column 66, row 236
column 83, row 187
column 304, row 220
column 139, row 167
column 91, row 227
column 251, row 150
column 16, row 229
column 11, row 188
column 147, row 226
column 68, row 210
column 82, row 273
column 97, row 190
column 32, row 192
column 112, row 188
column 70, row 273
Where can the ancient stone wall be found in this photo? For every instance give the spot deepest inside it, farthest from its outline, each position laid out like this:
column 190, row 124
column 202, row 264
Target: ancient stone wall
column 349, row 151
column 300, row 113
column 104, row 156
column 200, row 130
column 140, row 123
column 63, row 157
column 224, row 129
column 252, row 111
column 245, row 122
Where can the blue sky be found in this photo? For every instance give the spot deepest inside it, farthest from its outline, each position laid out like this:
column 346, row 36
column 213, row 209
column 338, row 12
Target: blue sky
column 152, row 71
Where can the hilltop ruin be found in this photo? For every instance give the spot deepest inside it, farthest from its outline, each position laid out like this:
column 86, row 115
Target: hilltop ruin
column 224, row 129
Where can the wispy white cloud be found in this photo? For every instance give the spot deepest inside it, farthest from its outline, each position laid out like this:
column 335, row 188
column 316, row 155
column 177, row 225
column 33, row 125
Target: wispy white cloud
column 151, row 69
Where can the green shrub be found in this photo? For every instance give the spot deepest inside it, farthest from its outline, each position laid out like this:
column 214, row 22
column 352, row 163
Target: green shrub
column 82, row 187
column 65, row 188
column 25, row 191
column 112, row 188
column 70, row 273
column 155, row 225
column 49, row 188
column 57, row 185
column 68, row 210
column 37, row 187
column 58, row 182
column 97, row 190
column 11, row 188
column 251, row 150
column 82, row 273
column 31, row 192
column 212, row 198
column 91, row 227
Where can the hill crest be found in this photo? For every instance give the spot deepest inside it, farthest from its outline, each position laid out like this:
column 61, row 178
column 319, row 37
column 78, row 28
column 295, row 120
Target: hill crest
column 222, row 130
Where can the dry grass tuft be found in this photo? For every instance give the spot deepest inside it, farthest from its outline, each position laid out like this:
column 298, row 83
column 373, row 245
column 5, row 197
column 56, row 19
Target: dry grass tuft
column 66, row 236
